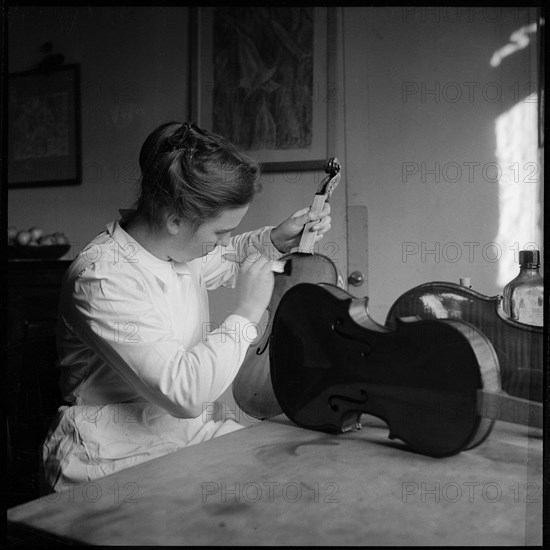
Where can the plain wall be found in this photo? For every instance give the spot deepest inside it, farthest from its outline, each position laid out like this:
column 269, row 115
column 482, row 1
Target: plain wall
column 422, row 104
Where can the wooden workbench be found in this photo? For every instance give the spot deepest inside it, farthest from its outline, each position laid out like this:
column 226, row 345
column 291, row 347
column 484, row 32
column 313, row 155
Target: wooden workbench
column 277, row 484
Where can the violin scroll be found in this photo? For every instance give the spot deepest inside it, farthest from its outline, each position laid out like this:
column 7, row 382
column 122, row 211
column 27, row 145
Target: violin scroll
column 329, row 183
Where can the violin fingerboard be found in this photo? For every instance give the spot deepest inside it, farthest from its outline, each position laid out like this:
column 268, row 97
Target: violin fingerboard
column 307, row 241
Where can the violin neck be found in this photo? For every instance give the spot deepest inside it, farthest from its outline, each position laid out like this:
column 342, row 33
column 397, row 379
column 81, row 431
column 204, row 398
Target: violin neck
column 501, row 406
column 307, row 240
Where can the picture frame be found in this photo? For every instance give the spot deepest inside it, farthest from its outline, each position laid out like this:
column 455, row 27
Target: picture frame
column 262, row 85
column 44, row 141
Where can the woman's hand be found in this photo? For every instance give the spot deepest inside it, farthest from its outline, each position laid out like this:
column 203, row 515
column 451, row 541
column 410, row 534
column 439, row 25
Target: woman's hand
column 287, row 235
column 254, row 286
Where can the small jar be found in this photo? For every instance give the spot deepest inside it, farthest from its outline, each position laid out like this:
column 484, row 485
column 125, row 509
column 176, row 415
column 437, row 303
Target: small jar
column 523, row 296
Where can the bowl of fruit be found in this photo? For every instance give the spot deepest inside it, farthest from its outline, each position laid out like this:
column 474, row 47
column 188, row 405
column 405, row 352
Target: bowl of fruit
column 33, row 243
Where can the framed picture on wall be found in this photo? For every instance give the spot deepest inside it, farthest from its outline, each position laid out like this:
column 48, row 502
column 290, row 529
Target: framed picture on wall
column 44, row 147
column 259, row 78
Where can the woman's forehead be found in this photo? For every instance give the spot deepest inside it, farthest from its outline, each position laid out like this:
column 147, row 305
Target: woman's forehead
column 229, row 218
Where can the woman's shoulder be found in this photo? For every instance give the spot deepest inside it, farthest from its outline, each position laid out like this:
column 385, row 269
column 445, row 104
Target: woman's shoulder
column 101, row 258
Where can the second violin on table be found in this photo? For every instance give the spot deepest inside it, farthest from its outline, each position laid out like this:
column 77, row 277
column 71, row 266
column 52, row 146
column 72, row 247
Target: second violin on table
column 435, row 383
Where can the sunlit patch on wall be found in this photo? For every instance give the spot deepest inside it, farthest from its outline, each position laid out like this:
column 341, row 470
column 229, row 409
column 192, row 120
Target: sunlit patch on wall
column 520, row 173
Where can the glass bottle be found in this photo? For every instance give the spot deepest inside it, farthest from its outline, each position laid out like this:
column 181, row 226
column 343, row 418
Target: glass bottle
column 523, row 296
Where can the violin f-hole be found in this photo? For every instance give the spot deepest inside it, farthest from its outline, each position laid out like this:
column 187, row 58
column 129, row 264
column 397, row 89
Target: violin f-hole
column 262, row 350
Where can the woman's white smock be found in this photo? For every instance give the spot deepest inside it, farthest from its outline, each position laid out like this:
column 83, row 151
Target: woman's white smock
column 140, row 362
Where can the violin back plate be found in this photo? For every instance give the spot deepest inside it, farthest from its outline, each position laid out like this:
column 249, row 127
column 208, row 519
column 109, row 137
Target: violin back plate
column 519, row 347
column 421, row 378
column 252, row 389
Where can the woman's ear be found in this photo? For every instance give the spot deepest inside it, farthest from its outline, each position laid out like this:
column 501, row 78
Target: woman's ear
column 173, row 224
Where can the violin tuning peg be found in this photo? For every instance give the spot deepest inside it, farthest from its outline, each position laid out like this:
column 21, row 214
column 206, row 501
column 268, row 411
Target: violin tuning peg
column 329, row 164
column 332, row 166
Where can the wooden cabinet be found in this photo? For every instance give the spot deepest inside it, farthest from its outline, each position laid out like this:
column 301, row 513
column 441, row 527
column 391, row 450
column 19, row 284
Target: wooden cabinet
column 31, row 375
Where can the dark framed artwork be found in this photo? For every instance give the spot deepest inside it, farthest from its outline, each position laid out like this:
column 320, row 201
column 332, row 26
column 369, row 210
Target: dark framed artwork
column 44, row 147
column 259, row 78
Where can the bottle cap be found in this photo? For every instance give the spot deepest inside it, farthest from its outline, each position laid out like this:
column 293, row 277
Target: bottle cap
column 529, row 257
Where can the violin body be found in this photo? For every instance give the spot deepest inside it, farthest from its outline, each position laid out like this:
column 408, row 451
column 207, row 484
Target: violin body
column 519, row 347
column 252, row 389
column 330, row 363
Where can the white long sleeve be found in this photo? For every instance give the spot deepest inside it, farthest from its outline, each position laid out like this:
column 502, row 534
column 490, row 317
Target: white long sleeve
column 135, row 327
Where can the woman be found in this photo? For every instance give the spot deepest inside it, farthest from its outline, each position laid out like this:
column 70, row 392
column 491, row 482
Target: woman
column 137, row 360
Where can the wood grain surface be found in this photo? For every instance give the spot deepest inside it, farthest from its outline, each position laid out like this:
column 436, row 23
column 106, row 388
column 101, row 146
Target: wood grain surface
column 275, row 483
